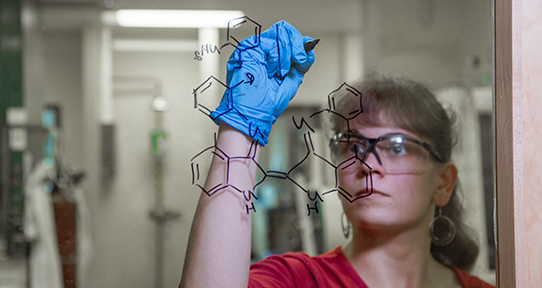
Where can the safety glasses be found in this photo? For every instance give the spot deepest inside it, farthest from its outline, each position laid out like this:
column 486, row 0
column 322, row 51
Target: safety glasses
column 395, row 153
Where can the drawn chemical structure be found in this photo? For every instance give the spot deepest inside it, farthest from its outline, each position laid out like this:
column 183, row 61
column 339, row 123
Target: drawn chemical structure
column 346, row 91
column 198, row 180
column 207, row 87
column 314, row 196
column 355, row 160
column 228, row 90
column 238, row 29
column 349, row 196
column 206, row 49
column 213, row 86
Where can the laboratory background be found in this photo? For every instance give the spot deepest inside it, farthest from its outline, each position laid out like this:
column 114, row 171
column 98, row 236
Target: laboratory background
column 105, row 138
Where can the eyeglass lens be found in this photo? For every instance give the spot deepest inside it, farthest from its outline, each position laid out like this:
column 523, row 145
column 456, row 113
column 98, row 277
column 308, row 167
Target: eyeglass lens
column 395, row 154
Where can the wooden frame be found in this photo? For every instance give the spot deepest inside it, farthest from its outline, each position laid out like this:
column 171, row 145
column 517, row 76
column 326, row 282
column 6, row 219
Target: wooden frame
column 504, row 180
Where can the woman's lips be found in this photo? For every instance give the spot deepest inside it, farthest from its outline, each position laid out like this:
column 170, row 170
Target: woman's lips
column 371, row 193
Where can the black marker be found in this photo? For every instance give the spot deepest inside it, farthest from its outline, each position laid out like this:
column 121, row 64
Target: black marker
column 309, row 45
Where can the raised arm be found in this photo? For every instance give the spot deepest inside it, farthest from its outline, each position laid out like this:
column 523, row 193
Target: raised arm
column 218, row 253
column 264, row 74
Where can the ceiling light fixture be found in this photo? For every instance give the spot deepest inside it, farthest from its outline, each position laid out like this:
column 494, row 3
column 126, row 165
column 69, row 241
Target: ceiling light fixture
column 176, row 18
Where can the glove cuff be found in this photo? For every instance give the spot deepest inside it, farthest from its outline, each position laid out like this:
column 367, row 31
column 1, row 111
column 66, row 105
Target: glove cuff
column 249, row 126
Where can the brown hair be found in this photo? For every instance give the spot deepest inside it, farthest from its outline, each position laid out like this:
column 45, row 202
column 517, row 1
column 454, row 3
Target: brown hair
column 411, row 106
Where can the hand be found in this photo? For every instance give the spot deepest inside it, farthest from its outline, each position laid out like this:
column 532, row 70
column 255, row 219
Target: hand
column 264, row 74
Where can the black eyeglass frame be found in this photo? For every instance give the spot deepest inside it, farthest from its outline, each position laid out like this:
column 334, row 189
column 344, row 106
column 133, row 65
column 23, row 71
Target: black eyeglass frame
column 373, row 141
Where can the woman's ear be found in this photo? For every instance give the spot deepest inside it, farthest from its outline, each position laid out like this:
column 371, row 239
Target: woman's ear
column 446, row 184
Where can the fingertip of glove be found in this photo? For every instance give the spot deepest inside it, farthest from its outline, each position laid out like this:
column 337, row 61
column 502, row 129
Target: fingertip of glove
column 300, row 53
column 311, row 57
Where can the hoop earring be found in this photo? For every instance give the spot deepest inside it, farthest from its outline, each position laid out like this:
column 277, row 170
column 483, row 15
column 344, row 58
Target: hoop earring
column 451, row 234
column 346, row 230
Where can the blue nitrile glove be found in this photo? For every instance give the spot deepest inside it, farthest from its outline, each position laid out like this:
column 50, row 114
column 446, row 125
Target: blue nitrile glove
column 262, row 79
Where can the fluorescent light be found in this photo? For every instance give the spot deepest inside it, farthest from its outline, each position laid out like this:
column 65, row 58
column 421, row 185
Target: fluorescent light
column 176, row 18
column 137, row 45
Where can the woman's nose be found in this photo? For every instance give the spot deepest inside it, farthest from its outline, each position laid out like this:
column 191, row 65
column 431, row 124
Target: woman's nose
column 371, row 163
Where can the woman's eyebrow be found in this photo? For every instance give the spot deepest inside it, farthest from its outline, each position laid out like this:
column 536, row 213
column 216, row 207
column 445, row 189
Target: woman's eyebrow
column 402, row 133
column 356, row 133
column 393, row 133
column 397, row 134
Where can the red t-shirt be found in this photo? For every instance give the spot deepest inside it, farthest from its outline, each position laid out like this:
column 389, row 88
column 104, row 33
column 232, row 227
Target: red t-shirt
column 328, row 270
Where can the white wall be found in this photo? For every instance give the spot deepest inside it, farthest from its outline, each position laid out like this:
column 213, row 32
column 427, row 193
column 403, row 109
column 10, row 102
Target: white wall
column 62, row 86
column 124, row 231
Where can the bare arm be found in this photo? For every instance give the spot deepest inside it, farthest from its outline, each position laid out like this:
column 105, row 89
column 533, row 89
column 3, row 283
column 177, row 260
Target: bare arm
column 218, row 253
column 263, row 79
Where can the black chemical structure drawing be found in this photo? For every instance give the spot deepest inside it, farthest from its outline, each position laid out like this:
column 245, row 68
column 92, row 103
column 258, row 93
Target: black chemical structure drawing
column 313, row 196
column 348, row 195
column 228, row 90
column 354, row 160
column 212, row 83
column 346, row 91
column 206, row 49
column 198, row 180
column 238, row 29
column 211, row 86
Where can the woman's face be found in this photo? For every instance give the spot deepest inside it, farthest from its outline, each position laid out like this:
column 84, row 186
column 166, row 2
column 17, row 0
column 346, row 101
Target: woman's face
column 398, row 201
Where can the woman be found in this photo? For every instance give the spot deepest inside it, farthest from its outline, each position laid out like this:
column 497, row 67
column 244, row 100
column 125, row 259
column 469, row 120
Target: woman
column 403, row 140
column 408, row 156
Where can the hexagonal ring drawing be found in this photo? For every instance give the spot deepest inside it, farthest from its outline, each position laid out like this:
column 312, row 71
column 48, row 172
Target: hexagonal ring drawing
column 234, row 39
column 207, row 88
column 354, row 111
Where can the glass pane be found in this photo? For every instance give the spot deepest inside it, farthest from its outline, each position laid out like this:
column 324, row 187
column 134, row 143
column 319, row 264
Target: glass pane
column 132, row 106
